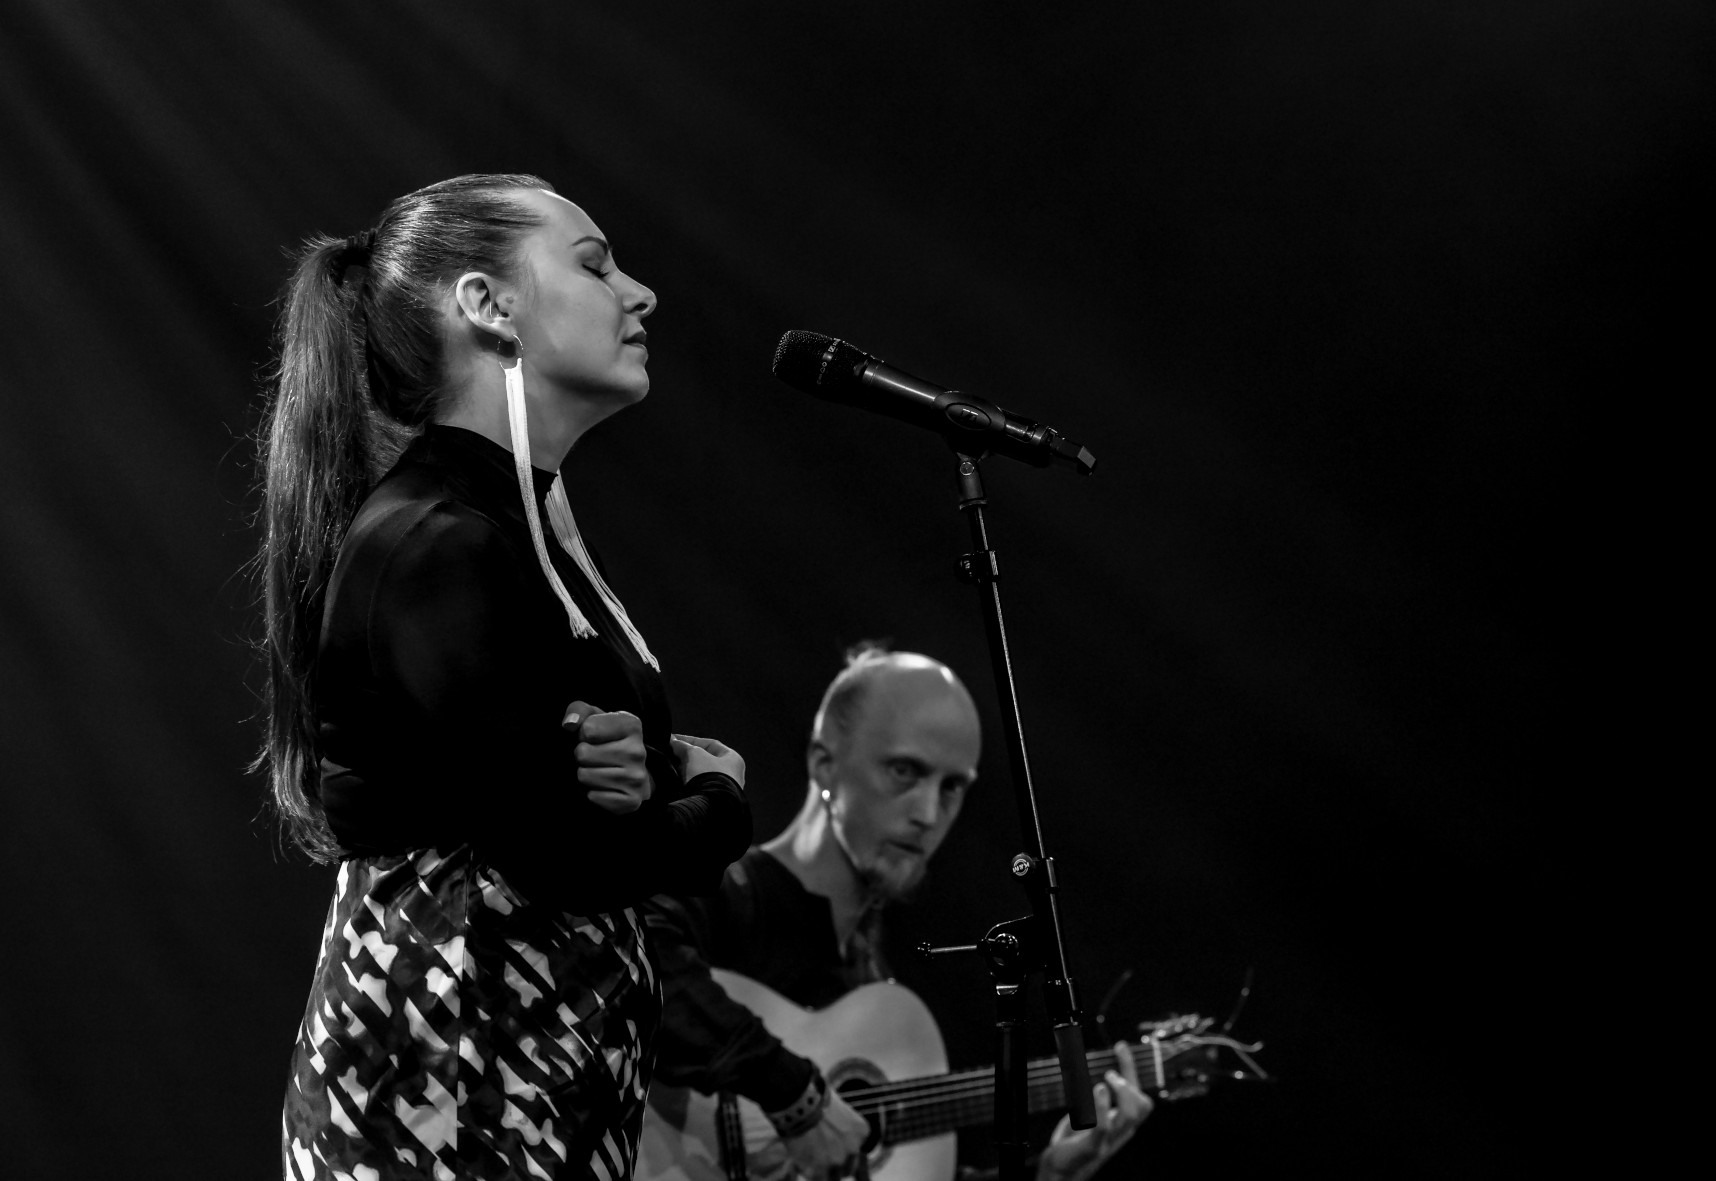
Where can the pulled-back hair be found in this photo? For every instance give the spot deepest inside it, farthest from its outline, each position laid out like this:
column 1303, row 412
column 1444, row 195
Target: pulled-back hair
column 360, row 367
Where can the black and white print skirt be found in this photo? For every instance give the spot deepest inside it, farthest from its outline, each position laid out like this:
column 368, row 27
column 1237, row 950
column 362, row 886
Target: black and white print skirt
column 454, row 1031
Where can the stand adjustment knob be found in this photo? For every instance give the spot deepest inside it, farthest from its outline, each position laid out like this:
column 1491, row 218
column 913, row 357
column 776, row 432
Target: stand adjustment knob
column 979, row 568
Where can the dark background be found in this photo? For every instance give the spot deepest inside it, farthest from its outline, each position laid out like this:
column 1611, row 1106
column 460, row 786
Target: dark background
column 1329, row 287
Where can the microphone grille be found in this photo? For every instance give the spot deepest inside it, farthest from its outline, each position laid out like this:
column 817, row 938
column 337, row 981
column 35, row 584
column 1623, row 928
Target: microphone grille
column 812, row 362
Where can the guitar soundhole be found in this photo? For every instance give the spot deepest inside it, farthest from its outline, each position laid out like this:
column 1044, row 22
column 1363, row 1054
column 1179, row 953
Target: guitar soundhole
column 851, row 1077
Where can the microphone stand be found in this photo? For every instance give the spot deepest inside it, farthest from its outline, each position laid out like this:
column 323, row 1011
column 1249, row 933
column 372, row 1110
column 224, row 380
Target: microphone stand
column 1036, row 944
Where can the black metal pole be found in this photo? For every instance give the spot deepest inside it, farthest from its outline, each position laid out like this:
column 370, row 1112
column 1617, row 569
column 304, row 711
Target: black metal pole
column 1012, row 1096
column 1034, row 867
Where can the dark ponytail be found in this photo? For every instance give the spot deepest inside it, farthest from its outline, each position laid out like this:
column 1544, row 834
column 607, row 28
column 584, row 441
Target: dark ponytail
column 360, row 368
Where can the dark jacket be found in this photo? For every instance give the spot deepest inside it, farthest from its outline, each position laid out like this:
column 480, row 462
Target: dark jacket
column 445, row 667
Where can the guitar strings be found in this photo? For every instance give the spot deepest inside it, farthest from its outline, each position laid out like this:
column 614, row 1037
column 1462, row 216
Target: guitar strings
column 930, row 1119
column 947, row 1092
column 1040, row 1069
column 956, row 1088
column 924, row 1102
column 970, row 1097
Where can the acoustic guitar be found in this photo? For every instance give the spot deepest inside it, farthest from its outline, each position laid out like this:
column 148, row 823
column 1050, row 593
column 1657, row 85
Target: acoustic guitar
column 880, row 1048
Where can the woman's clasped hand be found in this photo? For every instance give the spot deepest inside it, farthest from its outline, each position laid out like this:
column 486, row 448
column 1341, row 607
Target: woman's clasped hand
column 611, row 757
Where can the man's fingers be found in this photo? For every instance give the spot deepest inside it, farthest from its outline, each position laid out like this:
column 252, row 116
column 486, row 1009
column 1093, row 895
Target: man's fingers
column 575, row 715
column 1107, row 1114
column 1130, row 1107
column 1133, row 1103
column 1128, row 1068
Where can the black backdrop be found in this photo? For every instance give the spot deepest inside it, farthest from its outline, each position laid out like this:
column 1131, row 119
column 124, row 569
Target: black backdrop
column 1323, row 285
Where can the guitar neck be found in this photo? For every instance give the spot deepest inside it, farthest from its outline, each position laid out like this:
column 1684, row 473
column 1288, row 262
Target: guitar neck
column 913, row 1109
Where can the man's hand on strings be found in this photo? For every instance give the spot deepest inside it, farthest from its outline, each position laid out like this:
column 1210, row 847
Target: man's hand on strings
column 1121, row 1105
column 831, row 1147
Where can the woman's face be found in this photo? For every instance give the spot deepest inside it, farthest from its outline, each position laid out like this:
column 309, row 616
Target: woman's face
column 579, row 317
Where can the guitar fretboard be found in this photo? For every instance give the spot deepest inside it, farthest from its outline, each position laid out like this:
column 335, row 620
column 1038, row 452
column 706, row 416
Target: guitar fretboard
column 912, row 1109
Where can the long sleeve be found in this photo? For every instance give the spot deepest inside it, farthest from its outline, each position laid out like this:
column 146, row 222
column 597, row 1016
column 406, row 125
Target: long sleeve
column 708, row 1041
column 468, row 692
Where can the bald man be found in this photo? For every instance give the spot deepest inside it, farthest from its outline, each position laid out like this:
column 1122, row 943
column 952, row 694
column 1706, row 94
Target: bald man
column 893, row 750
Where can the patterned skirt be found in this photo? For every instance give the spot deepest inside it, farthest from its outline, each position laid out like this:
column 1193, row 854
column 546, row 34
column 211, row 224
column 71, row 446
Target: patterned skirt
column 455, row 1031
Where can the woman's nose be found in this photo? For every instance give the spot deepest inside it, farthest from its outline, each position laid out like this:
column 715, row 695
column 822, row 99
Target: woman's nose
column 639, row 300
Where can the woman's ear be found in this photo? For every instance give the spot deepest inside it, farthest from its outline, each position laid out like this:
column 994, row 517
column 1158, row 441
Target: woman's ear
column 485, row 302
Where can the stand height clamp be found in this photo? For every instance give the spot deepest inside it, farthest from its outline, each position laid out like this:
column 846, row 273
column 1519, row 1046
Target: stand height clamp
column 1024, row 865
column 980, row 568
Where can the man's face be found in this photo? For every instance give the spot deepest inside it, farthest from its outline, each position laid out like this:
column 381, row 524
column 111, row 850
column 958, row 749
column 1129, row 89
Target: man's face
column 894, row 785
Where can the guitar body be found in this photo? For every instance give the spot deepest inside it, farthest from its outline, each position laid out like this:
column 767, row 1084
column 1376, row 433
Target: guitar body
column 876, row 1033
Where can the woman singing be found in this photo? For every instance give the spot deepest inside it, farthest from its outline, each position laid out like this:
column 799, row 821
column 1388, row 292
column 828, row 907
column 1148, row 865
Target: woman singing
column 460, row 711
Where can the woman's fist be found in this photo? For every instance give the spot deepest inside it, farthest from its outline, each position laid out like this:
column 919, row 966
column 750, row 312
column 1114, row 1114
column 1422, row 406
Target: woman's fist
column 611, row 757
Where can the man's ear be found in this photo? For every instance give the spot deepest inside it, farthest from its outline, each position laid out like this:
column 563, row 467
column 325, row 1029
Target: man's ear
column 819, row 764
column 485, row 302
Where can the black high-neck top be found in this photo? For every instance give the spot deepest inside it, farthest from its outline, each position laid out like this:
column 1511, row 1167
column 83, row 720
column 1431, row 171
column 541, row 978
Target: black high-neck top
column 446, row 664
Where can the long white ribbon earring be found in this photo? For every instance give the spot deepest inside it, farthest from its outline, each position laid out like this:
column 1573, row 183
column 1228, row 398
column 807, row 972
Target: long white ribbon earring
column 566, row 533
column 518, row 424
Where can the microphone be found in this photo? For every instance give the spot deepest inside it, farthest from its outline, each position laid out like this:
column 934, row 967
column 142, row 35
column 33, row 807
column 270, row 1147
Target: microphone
column 838, row 372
